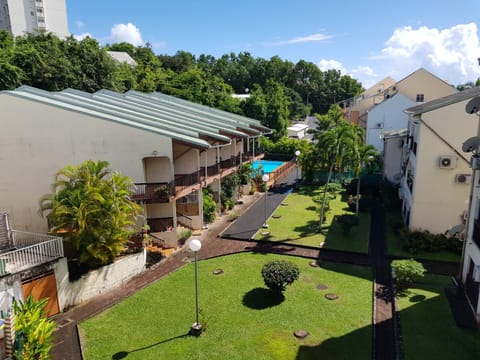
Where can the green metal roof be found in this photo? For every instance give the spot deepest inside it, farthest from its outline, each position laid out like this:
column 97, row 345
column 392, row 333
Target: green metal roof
column 48, row 98
column 183, row 121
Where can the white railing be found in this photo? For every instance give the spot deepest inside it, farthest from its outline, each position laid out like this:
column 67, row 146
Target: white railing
column 30, row 249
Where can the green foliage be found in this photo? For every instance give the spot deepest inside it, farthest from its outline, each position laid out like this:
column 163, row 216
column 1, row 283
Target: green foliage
column 209, row 207
column 277, row 274
column 229, row 186
column 406, row 272
column 418, row 241
column 245, row 173
column 91, row 207
column 34, row 332
column 184, row 235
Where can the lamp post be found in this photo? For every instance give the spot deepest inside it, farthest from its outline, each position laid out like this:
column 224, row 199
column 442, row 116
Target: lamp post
column 265, row 180
column 297, row 154
column 196, row 329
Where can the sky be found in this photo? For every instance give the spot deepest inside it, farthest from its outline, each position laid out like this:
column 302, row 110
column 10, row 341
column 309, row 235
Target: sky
column 368, row 40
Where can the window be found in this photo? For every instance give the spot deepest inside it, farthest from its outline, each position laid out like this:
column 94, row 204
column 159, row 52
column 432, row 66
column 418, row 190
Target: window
column 420, row 98
column 39, row 10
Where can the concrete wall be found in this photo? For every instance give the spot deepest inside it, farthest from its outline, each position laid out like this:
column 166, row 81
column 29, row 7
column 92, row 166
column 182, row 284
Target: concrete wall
column 392, row 159
column 96, row 282
column 387, row 116
column 185, row 159
column 438, row 202
column 423, row 82
column 37, row 140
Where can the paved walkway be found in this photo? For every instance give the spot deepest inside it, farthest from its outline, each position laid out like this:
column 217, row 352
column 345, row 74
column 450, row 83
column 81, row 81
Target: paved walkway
column 67, row 346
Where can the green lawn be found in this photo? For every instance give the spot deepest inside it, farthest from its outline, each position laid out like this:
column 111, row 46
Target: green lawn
column 242, row 318
column 395, row 248
column 299, row 224
column 428, row 328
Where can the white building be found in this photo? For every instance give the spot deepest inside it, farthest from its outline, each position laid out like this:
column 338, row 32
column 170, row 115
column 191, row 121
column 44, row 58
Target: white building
column 297, row 131
column 32, row 16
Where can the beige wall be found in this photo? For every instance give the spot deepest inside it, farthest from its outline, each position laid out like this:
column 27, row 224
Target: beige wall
column 37, row 140
column 422, row 82
column 158, row 169
column 439, row 202
column 185, row 159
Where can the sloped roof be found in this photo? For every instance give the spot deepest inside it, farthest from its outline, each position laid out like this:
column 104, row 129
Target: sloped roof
column 122, row 56
column 181, row 121
column 444, row 101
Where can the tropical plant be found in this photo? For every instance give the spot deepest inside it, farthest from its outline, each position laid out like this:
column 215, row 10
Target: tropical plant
column 209, row 207
column 34, row 332
column 364, row 155
column 90, row 206
column 277, row 274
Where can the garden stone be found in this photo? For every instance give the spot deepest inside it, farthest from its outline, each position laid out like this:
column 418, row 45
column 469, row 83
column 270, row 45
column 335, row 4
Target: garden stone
column 331, row 296
column 301, row 334
column 217, row 271
column 322, row 287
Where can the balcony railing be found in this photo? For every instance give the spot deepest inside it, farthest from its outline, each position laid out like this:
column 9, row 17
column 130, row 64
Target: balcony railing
column 29, row 250
column 160, row 224
column 152, row 192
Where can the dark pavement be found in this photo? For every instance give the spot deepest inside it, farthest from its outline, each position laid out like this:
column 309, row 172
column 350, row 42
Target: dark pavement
column 245, row 227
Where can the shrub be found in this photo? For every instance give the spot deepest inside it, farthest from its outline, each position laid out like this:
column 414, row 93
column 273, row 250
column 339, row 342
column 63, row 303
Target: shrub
column 406, row 272
column 234, row 215
column 184, row 235
column 277, row 274
column 34, row 332
column 209, row 208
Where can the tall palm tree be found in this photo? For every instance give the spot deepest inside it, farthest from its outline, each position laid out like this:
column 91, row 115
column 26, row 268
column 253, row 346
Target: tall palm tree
column 91, row 207
column 365, row 154
column 336, row 144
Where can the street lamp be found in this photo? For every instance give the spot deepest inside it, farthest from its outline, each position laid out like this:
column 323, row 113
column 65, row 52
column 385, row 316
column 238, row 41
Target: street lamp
column 265, row 180
column 297, row 154
column 195, row 245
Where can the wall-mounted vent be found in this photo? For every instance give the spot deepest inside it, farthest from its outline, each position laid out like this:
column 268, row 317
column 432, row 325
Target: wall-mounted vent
column 379, row 125
column 447, row 162
column 463, row 178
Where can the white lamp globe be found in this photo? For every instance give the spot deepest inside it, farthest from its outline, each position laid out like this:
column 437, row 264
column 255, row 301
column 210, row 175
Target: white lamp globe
column 265, row 177
column 297, row 153
column 195, row 245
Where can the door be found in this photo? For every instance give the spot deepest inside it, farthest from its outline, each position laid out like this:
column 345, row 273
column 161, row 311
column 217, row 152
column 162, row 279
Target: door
column 43, row 286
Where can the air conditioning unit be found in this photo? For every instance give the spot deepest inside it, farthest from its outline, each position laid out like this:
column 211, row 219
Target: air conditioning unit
column 463, row 178
column 447, row 162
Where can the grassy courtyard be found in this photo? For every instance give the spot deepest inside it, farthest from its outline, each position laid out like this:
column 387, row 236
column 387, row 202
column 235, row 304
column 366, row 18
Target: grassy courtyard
column 298, row 223
column 242, row 318
column 428, row 328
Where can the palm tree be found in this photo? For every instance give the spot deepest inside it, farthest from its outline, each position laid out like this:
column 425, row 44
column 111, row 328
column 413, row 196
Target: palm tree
column 336, row 144
column 90, row 206
column 365, row 154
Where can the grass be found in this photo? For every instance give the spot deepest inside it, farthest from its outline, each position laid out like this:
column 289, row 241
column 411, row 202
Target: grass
column 395, row 247
column 428, row 327
column 243, row 319
column 299, row 224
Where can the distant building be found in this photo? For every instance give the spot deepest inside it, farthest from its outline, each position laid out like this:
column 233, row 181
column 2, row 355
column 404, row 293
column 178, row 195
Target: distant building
column 297, row 131
column 122, row 57
column 20, row 17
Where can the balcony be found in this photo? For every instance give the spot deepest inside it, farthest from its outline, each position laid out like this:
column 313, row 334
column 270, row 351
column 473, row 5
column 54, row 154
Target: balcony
column 150, row 193
column 29, row 250
column 158, row 225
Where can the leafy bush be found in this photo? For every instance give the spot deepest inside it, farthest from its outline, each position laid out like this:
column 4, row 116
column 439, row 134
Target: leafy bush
column 245, row 173
column 184, row 235
column 406, row 272
column 234, row 215
column 415, row 241
column 33, row 330
column 209, row 207
column 277, row 274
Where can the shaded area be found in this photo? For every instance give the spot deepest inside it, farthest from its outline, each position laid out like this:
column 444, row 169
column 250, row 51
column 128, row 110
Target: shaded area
column 460, row 308
column 261, row 298
column 123, row 354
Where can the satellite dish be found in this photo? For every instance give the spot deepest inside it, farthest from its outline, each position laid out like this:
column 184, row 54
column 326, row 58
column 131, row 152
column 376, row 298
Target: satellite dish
column 472, row 144
column 473, row 106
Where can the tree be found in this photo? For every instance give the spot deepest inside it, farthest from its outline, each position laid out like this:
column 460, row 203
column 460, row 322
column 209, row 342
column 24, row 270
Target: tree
column 406, row 272
column 90, row 206
column 364, row 155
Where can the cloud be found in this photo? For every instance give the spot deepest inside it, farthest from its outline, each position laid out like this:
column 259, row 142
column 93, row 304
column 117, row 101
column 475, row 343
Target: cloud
column 301, row 40
column 80, row 24
column 80, row 37
column 325, row 65
column 449, row 53
column 364, row 74
column 127, row 33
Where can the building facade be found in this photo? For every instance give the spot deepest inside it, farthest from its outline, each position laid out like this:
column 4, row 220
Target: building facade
column 20, row 17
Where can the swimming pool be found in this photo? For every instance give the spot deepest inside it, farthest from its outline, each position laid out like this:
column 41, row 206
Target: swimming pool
column 267, row 165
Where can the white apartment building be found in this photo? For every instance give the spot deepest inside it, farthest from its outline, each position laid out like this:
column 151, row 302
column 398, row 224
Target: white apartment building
column 32, row 16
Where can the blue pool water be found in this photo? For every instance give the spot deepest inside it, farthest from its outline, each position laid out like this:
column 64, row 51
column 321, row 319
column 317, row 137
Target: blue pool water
column 268, row 165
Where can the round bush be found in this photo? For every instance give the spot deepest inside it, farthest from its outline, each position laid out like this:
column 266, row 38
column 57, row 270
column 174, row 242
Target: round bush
column 277, row 274
column 407, row 271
